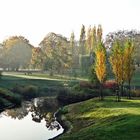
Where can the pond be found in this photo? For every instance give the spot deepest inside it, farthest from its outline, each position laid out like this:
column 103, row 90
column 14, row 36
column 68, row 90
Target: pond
column 32, row 121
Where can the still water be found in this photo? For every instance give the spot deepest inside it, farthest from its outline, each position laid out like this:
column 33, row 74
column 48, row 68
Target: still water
column 32, row 121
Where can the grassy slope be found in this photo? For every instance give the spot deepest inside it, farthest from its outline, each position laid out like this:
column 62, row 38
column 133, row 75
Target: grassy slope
column 107, row 120
column 10, row 79
column 9, row 82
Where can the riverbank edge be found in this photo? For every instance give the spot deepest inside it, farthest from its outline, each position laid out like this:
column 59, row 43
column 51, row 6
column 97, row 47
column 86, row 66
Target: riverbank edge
column 58, row 115
column 65, row 123
column 8, row 107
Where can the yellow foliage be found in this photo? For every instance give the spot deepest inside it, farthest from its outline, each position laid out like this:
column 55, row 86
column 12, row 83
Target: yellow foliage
column 100, row 64
column 117, row 61
column 122, row 61
column 129, row 66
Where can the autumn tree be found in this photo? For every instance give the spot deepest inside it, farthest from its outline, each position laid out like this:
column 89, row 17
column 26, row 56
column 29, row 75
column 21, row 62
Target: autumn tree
column 94, row 43
column 129, row 66
column 37, row 60
column 100, row 65
column 16, row 53
column 57, row 57
column 117, row 63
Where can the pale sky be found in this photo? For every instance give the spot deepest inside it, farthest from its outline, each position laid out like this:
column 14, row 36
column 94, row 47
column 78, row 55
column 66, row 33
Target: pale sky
column 33, row 19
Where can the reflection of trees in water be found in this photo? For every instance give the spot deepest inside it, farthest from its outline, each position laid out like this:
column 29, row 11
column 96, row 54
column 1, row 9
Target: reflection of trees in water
column 39, row 111
column 18, row 113
column 51, row 122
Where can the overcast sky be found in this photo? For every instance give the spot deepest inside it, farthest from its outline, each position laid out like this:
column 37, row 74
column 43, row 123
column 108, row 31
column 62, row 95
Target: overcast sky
column 33, row 19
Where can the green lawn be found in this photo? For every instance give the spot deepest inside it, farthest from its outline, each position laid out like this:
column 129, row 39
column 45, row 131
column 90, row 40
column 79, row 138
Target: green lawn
column 8, row 81
column 107, row 120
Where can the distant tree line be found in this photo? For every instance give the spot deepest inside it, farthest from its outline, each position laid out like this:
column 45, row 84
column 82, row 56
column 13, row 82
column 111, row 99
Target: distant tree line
column 90, row 55
column 60, row 55
column 16, row 51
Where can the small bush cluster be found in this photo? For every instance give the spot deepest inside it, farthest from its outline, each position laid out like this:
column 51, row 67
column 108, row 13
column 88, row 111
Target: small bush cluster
column 28, row 92
column 110, row 84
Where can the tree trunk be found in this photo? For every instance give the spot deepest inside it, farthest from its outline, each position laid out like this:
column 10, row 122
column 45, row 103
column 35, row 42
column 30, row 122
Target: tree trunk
column 129, row 89
column 121, row 90
column 101, row 92
column 51, row 72
column 118, row 94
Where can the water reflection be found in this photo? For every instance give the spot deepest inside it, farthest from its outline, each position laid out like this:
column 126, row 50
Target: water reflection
column 38, row 111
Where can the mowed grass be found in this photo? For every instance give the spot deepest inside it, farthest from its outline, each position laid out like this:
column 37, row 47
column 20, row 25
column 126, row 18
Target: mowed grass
column 106, row 120
column 10, row 81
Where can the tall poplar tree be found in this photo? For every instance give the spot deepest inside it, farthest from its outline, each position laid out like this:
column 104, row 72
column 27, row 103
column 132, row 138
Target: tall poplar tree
column 82, row 49
column 93, row 39
column 72, row 45
column 129, row 66
column 99, row 33
column 74, row 52
column 100, row 65
column 117, row 63
column 82, row 41
column 88, row 41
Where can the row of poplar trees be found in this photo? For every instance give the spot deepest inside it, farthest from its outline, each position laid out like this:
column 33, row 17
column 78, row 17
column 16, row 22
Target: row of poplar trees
column 121, row 59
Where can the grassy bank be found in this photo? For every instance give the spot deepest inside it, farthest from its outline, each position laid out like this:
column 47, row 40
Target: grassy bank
column 107, row 120
column 13, row 89
column 13, row 84
column 45, row 86
column 9, row 99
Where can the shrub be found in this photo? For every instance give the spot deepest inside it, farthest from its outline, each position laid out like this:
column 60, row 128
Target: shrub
column 18, row 89
column 67, row 97
column 110, row 84
column 12, row 97
column 86, row 84
column 28, row 92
